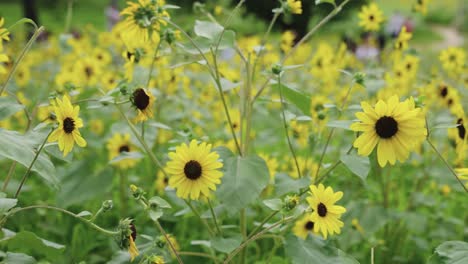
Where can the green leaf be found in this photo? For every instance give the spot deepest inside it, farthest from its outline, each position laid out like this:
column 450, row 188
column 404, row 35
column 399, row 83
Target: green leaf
column 155, row 214
column 285, row 184
column 313, row 248
column 296, row 97
column 274, row 204
column 6, row 204
column 207, row 29
column 358, row 165
column 205, row 44
column 9, row 107
column 22, row 148
column 243, row 181
column 81, row 182
column 226, row 245
column 30, row 243
column 224, row 153
column 18, row 258
column 450, row 252
column 160, row 202
column 345, row 124
column 318, row 2
column 84, row 213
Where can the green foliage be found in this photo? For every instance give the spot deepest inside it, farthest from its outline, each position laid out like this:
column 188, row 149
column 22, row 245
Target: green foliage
column 450, row 252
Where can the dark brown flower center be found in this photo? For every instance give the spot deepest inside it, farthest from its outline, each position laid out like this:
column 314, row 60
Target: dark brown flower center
column 322, row 210
column 461, row 129
column 88, row 71
column 386, row 127
column 124, row 148
column 443, row 91
column 134, row 232
column 140, row 99
column 68, row 125
column 371, row 17
column 193, row 170
column 309, row 225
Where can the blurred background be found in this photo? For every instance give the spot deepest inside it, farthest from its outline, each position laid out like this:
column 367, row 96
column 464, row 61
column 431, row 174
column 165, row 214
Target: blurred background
column 445, row 24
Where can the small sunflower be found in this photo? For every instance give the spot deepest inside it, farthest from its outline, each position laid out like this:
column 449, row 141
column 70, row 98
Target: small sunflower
column 453, row 59
column 396, row 127
column 421, row 6
column 294, row 6
column 370, row 17
column 143, row 101
column 326, row 214
column 404, row 36
column 194, row 170
column 67, row 131
column 119, row 144
column 304, row 227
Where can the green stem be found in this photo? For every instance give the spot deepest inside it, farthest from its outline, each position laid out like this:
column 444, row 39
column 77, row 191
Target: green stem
column 263, row 223
column 142, row 141
column 199, row 217
column 214, row 217
column 243, row 230
column 98, row 228
column 96, row 214
column 255, row 237
column 161, row 229
column 123, row 193
column 285, row 125
column 26, row 174
column 155, row 56
column 305, row 38
column 446, row 164
column 8, row 177
column 68, row 19
column 20, row 58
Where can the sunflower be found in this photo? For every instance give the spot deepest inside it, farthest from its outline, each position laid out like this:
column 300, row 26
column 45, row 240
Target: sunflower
column 420, row 6
column 67, row 131
column 4, row 33
column 326, row 214
column 304, row 226
column 142, row 21
column 120, row 144
column 161, row 182
column 143, row 101
column 401, row 43
column 453, row 59
column 194, row 170
column 132, row 249
column 396, row 127
column 294, row 6
column 370, row 17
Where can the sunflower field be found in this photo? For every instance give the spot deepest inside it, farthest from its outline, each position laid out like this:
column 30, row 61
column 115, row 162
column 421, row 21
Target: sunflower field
column 203, row 132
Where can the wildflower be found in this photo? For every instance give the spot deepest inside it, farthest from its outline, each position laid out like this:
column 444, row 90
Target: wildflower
column 4, row 33
column 396, row 127
column 453, row 60
column 304, row 227
column 67, row 132
column 194, row 170
column 143, row 101
column 370, row 17
column 294, row 6
column 127, row 236
column 287, row 40
column 326, row 214
column 421, row 6
column 401, row 43
column 119, row 144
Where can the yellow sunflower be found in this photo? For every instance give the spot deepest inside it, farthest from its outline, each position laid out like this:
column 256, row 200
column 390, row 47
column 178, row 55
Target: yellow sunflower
column 119, row 144
column 194, row 170
column 304, row 227
column 396, row 127
column 4, row 33
column 326, row 214
column 143, row 101
column 132, row 249
column 370, row 17
column 404, row 36
column 294, row 6
column 67, row 131
column 453, row 59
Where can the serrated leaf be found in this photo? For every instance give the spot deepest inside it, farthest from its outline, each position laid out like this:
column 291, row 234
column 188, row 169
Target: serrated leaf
column 358, row 165
column 22, row 148
column 243, row 181
column 6, row 204
column 274, row 204
column 226, row 245
column 450, row 252
column 9, row 107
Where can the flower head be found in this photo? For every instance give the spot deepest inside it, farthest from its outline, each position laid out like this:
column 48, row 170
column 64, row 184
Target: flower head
column 395, row 127
column 370, row 17
column 194, row 170
column 294, row 6
column 118, row 145
column 67, row 132
column 143, row 101
column 304, row 227
column 326, row 214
